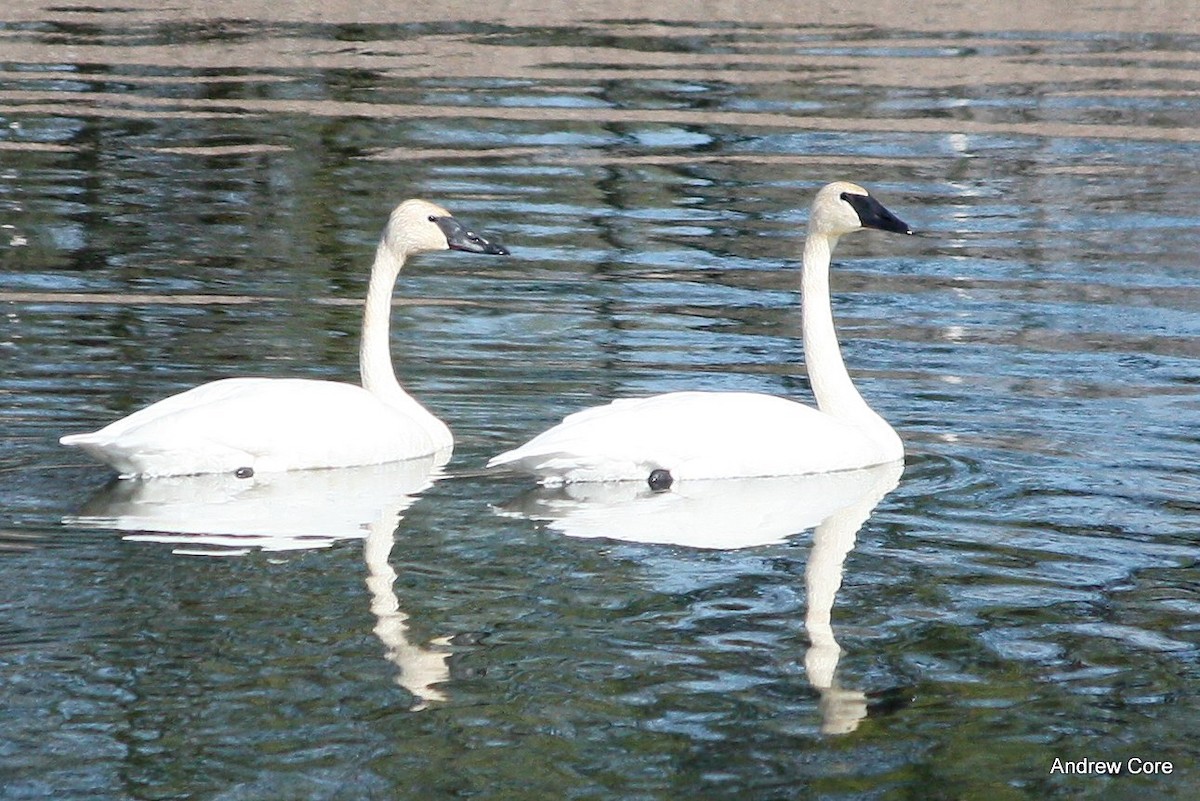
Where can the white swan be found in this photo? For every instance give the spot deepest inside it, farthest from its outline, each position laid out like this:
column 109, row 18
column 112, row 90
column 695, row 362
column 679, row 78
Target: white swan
column 248, row 425
column 692, row 435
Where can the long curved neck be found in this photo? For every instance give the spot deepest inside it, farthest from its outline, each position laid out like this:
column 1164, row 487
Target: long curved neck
column 374, row 353
column 834, row 390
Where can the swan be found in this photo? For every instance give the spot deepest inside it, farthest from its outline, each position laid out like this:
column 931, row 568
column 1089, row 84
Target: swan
column 708, row 435
column 249, row 425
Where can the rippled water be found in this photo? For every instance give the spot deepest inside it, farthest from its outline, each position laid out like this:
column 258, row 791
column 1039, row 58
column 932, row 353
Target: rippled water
column 189, row 194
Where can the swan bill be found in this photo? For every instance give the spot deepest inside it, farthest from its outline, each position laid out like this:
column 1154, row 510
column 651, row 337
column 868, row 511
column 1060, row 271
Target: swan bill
column 873, row 214
column 459, row 237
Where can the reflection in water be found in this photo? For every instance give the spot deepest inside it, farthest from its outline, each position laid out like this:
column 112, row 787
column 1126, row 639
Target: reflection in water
column 421, row 669
column 741, row 513
column 221, row 515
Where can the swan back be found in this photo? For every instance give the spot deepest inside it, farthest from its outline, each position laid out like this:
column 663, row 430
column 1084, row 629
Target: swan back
column 695, row 435
column 265, row 424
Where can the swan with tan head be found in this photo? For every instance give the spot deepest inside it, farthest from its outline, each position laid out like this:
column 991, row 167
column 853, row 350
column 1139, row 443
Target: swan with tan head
column 248, row 425
column 704, row 435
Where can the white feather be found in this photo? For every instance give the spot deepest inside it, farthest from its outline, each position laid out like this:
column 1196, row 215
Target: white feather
column 267, row 424
column 693, row 435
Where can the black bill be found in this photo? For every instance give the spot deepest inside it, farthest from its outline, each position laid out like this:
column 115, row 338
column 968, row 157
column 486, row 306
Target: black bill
column 872, row 214
column 459, row 237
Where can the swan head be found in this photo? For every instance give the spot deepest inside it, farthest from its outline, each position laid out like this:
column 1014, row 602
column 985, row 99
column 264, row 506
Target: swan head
column 842, row 207
column 418, row 226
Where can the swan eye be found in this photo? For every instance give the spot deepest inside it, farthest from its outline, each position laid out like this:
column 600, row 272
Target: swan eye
column 432, row 218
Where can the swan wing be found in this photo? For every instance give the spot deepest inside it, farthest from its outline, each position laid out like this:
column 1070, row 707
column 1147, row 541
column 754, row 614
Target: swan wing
column 693, row 435
column 261, row 423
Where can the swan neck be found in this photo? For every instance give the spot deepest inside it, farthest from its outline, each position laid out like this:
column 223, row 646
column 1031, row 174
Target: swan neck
column 375, row 356
column 831, row 384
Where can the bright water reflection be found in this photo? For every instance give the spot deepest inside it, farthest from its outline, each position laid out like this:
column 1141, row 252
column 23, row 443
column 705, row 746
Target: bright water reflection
column 746, row 513
column 272, row 511
column 221, row 515
column 189, row 193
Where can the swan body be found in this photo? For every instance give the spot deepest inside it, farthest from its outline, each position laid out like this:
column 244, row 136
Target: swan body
column 265, row 424
column 695, row 435
column 250, row 425
column 711, row 435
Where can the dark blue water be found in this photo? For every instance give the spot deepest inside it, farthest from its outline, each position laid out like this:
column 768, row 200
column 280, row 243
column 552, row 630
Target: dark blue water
column 187, row 198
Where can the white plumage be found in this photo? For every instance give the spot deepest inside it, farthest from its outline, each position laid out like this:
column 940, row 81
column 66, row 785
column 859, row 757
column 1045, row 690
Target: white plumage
column 703, row 435
column 280, row 424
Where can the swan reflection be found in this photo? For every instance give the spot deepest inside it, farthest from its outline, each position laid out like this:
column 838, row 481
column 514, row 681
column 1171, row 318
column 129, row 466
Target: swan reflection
column 222, row 515
column 741, row 513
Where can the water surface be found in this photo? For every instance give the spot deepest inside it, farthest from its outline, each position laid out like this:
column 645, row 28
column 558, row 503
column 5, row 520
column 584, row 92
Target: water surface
column 187, row 195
